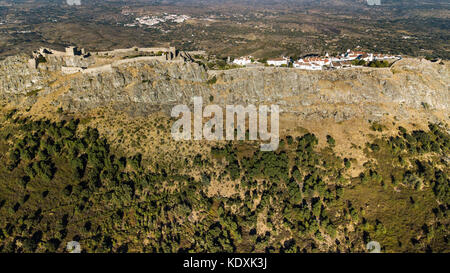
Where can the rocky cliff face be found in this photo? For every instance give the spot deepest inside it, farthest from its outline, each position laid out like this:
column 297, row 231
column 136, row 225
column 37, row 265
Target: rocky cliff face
column 16, row 77
column 145, row 86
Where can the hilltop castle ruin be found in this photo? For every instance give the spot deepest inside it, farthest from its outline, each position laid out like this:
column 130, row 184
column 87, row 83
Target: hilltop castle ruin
column 74, row 59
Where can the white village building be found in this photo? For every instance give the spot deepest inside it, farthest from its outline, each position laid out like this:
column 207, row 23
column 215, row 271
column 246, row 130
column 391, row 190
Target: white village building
column 351, row 55
column 312, row 63
column 382, row 57
column 307, row 66
column 278, row 61
column 368, row 57
column 243, row 60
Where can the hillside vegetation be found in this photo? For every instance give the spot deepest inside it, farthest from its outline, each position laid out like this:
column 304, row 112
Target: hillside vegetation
column 60, row 181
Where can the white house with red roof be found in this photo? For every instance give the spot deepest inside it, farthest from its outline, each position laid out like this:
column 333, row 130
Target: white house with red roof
column 307, row 66
column 368, row 57
column 312, row 63
column 351, row 55
column 278, row 61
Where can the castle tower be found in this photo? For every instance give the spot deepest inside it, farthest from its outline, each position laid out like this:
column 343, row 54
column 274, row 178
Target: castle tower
column 70, row 50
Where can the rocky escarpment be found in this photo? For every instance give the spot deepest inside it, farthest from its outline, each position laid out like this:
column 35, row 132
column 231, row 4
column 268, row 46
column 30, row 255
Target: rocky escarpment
column 140, row 87
column 17, row 78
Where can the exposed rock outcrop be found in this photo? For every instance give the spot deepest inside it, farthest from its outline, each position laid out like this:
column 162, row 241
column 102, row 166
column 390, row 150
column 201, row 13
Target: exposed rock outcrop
column 144, row 86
